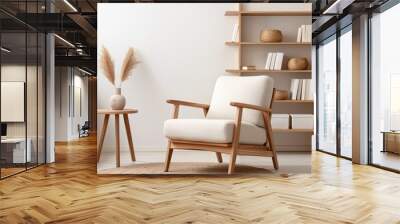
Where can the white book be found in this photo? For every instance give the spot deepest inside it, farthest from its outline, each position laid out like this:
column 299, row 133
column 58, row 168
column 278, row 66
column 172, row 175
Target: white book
column 273, row 59
column 291, row 89
column 268, row 63
column 304, row 89
column 303, row 33
column 310, row 95
column 294, row 85
column 298, row 94
column 235, row 33
column 299, row 35
column 278, row 61
column 309, row 34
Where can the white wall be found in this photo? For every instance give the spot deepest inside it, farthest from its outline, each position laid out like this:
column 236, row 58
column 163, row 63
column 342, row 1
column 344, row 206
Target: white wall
column 66, row 121
column 182, row 52
column 61, row 104
column 12, row 73
column 80, row 83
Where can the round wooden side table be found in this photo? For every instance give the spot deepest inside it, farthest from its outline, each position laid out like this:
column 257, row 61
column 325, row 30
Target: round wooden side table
column 116, row 113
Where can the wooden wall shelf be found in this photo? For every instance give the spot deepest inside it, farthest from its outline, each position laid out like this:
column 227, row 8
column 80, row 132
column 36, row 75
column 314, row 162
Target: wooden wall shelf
column 263, row 71
column 230, row 43
column 244, row 46
column 265, row 13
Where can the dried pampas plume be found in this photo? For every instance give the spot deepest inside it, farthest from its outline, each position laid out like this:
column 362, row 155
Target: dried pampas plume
column 107, row 65
column 128, row 65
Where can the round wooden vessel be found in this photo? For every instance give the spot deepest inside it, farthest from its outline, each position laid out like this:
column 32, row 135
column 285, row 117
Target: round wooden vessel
column 297, row 64
column 271, row 35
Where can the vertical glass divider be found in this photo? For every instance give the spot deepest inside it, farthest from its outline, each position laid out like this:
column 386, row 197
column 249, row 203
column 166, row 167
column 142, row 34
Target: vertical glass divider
column 338, row 73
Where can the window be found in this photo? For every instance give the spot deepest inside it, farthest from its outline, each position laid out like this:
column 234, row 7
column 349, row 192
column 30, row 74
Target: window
column 394, row 117
column 385, row 89
column 335, row 108
column 327, row 96
column 22, row 77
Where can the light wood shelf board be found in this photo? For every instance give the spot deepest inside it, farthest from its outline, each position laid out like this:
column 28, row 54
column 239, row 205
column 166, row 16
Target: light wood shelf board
column 263, row 71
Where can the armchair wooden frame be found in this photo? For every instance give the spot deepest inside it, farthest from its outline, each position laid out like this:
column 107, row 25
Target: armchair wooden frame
column 234, row 148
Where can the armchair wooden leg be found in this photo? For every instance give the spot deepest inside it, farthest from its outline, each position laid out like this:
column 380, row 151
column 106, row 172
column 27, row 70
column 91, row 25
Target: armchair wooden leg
column 168, row 158
column 232, row 163
column 219, row 157
column 275, row 160
column 271, row 144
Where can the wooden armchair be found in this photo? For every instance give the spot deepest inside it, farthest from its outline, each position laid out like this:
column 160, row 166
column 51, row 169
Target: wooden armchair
column 236, row 122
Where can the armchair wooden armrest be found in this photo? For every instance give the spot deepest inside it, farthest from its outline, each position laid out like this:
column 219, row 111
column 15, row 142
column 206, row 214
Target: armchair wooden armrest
column 266, row 113
column 189, row 104
column 251, row 106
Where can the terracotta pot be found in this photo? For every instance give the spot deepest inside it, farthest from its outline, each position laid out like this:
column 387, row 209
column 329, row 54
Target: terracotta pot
column 117, row 101
column 297, row 64
column 270, row 35
column 281, row 95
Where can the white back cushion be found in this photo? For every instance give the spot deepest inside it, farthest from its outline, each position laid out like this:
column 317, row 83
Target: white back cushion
column 256, row 90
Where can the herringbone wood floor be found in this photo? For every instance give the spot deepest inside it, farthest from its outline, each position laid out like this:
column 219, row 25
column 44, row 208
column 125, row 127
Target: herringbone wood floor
column 69, row 191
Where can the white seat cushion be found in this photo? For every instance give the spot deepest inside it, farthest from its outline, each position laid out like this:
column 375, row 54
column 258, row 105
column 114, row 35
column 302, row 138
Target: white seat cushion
column 212, row 131
column 255, row 90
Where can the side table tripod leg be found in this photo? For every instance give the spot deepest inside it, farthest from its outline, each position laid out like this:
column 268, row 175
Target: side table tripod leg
column 102, row 135
column 129, row 136
column 117, row 143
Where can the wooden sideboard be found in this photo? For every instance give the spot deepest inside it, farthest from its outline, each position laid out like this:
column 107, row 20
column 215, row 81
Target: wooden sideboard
column 391, row 141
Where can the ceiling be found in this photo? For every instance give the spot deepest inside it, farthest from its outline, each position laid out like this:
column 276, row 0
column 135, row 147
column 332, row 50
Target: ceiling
column 76, row 22
column 336, row 15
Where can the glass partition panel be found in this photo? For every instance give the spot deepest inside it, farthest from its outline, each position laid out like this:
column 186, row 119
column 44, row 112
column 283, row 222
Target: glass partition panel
column 14, row 154
column 327, row 96
column 32, row 98
column 22, row 88
column 41, row 110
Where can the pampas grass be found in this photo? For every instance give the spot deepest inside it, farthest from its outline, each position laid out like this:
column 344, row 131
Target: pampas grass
column 107, row 65
column 128, row 65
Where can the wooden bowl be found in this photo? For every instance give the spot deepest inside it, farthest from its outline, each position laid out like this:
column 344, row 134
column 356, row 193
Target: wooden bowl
column 270, row 35
column 281, row 95
column 297, row 64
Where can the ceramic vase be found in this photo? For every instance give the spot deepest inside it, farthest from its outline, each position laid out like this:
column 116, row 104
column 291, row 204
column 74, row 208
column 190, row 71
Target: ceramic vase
column 117, row 101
